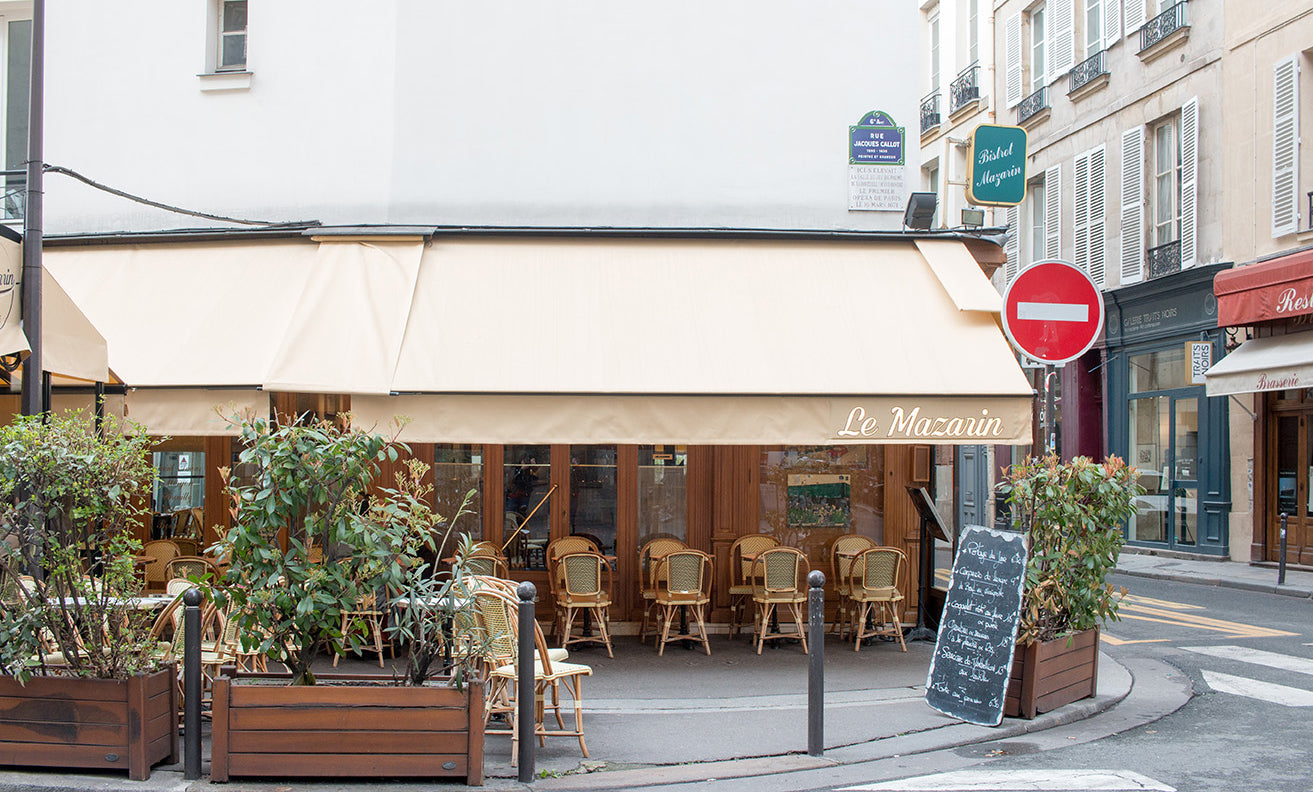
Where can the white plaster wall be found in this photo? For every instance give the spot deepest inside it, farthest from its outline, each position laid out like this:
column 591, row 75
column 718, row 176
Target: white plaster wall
column 588, row 113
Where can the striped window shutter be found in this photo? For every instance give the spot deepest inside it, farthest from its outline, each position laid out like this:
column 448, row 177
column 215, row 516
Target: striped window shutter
column 1012, row 47
column 1112, row 24
column 1062, row 44
column 1081, row 213
column 1135, row 14
column 1011, row 248
column 1285, row 147
column 1098, row 196
column 1132, row 210
column 1189, row 182
column 1053, row 212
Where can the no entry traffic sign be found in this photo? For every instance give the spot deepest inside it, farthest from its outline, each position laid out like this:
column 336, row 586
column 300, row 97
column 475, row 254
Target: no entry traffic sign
column 1053, row 312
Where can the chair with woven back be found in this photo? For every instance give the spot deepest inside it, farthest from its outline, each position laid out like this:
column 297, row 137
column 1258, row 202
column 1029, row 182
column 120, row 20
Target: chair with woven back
column 842, row 551
column 484, row 558
column 778, row 575
column 874, row 588
column 648, row 555
column 368, row 615
column 189, row 567
column 585, row 588
column 551, row 554
column 497, row 614
column 741, row 555
column 159, row 551
column 683, row 580
column 187, row 546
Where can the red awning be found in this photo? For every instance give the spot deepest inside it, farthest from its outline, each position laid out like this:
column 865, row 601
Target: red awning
column 1277, row 289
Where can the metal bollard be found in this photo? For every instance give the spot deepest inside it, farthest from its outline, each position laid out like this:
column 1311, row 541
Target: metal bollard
column 816, row 663
column 191, row 684
column 1281, row 560
column 526, row 718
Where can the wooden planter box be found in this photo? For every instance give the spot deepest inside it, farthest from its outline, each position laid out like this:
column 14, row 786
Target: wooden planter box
column 1049, row 674
column 129, row 724
column 345, row 726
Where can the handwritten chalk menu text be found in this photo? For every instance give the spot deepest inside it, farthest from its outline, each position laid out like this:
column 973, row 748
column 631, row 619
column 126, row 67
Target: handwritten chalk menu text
column 978, row 630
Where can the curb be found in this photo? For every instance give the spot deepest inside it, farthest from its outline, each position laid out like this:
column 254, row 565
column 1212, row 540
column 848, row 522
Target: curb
column 1296, row 592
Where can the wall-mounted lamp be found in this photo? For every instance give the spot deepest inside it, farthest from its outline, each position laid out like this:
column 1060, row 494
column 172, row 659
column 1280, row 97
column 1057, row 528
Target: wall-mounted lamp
column 920, row 214
column 973, row 218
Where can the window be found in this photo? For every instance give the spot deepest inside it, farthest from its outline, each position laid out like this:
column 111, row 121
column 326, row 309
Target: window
column 1037, row 49
column 1094, row 26
column 973, row 31
column 1088, row 216
column 1165, row 187
column 934, row 52
column 232, row 36
column 1035, row 216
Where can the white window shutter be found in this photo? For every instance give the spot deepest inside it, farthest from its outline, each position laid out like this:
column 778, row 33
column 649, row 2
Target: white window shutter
column 1189, row 182
column 1112, row 24
column 1098, row 196
column 1285, row 147
column 1135, row 13
column 1132, row 210
column 1011, row 248
column 1012, row 45
column 1062, row 44
column 1081, row 213
column 1053, row 212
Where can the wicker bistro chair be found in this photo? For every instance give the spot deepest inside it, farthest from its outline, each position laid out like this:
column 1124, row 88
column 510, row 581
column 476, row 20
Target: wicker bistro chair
column 367, row 614
column 497, row 614
column 740, row 585
column 586, row 588
column 777, row 577
column 187, row 567
column 683, row 580
column 874, row 590
column 159, row 551
column 486, row 559
column 842, row 552
column 649, row 557
column 552, row 554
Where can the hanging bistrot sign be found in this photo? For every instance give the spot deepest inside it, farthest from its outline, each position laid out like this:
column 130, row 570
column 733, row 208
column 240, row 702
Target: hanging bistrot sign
column 997, row 170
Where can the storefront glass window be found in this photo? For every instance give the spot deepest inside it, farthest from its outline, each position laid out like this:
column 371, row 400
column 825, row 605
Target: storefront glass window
column 179, row 488
column 662, row 493
column 812, row 494
column 593, row 494
column 1185, row 493
column 1161, row 370
column 458, row 469
column 1149, row 426
column 1287, row 464
column 526, row 480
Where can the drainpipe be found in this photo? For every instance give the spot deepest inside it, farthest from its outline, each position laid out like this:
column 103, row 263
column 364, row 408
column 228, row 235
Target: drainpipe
column 33, row 400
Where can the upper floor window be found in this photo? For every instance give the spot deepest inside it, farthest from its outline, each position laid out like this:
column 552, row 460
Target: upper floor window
column 232, row 36
column 934, row 52
column 973, row 31
column 1165, row 189
column 1094, row 26
column 1037, row 48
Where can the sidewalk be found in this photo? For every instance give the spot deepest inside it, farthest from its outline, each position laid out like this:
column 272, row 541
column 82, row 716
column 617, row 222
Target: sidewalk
column 687, row 717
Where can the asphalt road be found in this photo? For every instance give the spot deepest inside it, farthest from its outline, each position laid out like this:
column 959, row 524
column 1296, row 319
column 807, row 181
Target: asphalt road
column 1248, row 658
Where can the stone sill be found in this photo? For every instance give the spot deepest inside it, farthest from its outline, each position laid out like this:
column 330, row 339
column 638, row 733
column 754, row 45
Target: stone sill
column 226, row 81
column 1174, row 40
column 1037, row 119
column 1091, row 87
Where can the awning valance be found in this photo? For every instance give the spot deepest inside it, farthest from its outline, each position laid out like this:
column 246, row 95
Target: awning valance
column 1278, row 289
column 1264, row 364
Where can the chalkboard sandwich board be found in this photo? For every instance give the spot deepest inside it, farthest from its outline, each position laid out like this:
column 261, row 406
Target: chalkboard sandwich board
column 978, row 630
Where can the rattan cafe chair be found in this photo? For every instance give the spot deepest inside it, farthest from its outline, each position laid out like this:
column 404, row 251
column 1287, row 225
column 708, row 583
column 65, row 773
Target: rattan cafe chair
column 648, row 557
column 777, row 582
column 159, row 551
column 367, row 615
column 741, row 555
column 842, row 552
column 586, row 587
column 684, row 581
column 874, row 589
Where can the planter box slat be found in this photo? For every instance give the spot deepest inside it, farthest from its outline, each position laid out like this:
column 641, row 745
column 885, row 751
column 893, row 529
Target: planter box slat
column 66, row 688
column 61, row 709
column 47, row 732
column 389, row 742
column 349, row 719
column 59, row 755
column 325, row 695
column 1065, row 695
column 349, row 765
column 1058, row 646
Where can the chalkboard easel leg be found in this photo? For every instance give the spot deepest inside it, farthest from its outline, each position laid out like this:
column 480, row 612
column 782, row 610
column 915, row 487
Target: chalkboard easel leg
column 921, row 632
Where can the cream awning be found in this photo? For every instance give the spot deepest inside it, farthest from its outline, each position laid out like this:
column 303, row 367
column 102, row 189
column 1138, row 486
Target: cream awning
column 1283, row 362
column 578, row 339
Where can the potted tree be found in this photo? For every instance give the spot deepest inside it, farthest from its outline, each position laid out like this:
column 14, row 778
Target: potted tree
column 1073, row 513
column 79, row 679
column 312, row 534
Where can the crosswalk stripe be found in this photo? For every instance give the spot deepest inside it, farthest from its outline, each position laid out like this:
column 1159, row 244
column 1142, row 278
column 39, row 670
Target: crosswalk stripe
column 1244, row 654
column 1020, row 781
column 1263, row 691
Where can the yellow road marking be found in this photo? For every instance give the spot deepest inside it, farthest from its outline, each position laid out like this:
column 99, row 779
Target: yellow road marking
column 1103, row 636
column 1134, row 599
column 1234, row 629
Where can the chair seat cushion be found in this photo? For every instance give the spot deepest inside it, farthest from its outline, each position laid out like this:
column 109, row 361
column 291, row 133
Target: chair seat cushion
column 558, row 670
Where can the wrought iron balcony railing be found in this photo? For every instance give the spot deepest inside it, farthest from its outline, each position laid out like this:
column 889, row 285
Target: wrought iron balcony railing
column 930, row 117
column 1164, row 259
column 1032, row 105
column 965, row 89
column 1164, row 25
column 1087, row 70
